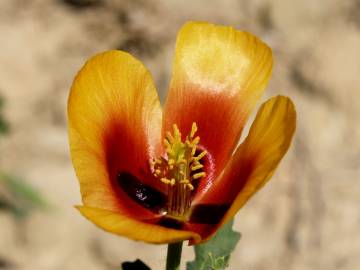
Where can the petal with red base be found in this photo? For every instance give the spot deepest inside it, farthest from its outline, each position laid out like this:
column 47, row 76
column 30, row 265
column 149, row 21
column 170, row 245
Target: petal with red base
column 218, row 75
column 254, row 161
column 114, row 128
column 136, row 230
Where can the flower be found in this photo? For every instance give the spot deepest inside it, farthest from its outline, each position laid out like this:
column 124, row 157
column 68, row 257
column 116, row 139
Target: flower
column 172, row 174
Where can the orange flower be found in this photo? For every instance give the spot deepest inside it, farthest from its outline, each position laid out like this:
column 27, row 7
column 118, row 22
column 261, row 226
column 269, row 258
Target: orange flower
column 175, row 174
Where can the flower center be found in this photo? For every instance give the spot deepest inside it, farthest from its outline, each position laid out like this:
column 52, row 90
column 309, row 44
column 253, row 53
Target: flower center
column 179, row 169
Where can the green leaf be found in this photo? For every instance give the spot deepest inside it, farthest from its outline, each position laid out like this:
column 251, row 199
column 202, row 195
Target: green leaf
column 136, row 265
column 215, row 254
column 4, row 127
column 18, row 196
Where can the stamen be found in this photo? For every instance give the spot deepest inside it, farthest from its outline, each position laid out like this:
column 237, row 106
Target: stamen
column 175, row 170
column 183, row 161
column 200, row 156
column 171, row 161
column 177, row 134
column 196, row 140
column 193, row 150
column 165, row 180
column 196, row 167
column 185, row 181
column 167, row 143
column 198, row 175
column 193, row 130
column 169, row 137
column 157, row 161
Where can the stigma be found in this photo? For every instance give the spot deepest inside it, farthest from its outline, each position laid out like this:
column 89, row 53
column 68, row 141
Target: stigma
column 178, row 169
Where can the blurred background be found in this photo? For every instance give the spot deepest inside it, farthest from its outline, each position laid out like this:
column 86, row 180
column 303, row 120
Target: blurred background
column 307, row 217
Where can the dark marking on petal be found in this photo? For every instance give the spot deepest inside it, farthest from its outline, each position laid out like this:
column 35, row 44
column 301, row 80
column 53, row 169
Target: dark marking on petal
column 170, row 223
column 208, row 213
column 144, row 195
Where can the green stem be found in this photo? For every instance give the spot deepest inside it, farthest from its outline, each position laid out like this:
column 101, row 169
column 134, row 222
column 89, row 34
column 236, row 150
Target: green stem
column 174, row 256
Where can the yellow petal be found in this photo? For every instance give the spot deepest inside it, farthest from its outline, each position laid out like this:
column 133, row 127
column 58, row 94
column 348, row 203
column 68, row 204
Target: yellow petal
column 218, row 75
column 136, row 230
column 256, row 159
column 114, row 119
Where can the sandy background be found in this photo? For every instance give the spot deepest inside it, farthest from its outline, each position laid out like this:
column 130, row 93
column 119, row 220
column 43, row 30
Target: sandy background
column 308, row 217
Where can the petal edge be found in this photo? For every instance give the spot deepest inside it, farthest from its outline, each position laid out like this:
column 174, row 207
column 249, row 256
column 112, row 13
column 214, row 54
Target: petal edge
column 114, row 119
column 219, row 73
column 256, row 159
column 136, row 230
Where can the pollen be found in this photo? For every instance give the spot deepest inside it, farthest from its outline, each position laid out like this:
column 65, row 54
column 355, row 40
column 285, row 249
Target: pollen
column 193, row 129
column 196, row 167
column 200, row 156
column 179, row 168
column 168, row 181
column 198, row 175
column 190, row 186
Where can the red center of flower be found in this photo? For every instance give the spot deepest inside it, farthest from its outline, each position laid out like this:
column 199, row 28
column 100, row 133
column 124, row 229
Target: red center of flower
column 178, row 169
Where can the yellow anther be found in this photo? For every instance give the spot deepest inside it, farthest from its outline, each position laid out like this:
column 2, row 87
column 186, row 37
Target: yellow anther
column 157, row 161
column 195, row 141
column 167, row 143
column 177, row 134
column 193, row 150
column 171, row 161
column 165, row 180
column 178, row 168
column 172, row 181
column 200, row 156
column 184, row 181
column 199, row 175
column 190, row 186
column 169, row 137
column 196, row 167
column 195, row 163
column 183, row 161
column 188, row 143
column 193, row 129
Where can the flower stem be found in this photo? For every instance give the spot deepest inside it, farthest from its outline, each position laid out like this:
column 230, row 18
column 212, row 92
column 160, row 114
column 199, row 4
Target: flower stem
column 174, row 256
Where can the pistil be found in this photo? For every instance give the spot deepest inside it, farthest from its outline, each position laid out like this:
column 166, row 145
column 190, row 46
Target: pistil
column 178, row 169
